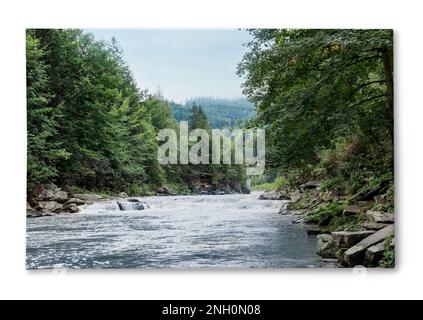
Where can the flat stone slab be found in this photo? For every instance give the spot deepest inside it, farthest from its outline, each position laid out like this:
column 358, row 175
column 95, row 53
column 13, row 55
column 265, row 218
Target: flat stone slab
column 355, row 254
column 373, row 225
column 354, row 210
column 374, row 254
column 380, row 217
column 347, row 239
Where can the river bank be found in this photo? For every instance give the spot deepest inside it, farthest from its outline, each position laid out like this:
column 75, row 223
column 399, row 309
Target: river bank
column 349, row 232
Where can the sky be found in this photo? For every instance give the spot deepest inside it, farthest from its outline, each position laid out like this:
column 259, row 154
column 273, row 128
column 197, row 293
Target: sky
column 183, row 63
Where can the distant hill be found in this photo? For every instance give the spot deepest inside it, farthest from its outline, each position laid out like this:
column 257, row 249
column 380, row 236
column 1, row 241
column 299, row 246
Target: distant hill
column 221, row 113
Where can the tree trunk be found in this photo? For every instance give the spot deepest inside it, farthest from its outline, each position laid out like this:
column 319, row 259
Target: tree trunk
column 389, row 81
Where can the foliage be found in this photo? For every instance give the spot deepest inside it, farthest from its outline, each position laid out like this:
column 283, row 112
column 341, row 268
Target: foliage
column 221, row 113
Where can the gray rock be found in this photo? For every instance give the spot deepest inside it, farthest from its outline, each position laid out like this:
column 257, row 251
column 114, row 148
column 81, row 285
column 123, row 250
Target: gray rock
column 88, row 196
column 373, row 225
column 354, row 210
column 76, row 201
column 47, row 205
column 295, row 197
column 313, row 229
column 297, row 221
column 374, row 254
column 60, row 196
column 380, row 217
column 34, row 215
column 284, row 209
column 123, row 195
column 326, row 246
column 312, row 184
column 273, row 195
column 71, row 208
column 347, row 239
column 132, row 200
column 355, row 254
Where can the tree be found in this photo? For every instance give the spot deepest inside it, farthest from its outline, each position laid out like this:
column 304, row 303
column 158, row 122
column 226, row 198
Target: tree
column 312, row 87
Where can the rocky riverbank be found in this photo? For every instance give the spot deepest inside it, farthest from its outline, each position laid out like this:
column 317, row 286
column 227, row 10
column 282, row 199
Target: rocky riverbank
column 50, row 200
column 348, row 233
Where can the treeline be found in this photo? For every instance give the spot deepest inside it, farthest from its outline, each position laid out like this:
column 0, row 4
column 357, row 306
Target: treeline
column 88, row 124
column 221, row 113
column 326, row 100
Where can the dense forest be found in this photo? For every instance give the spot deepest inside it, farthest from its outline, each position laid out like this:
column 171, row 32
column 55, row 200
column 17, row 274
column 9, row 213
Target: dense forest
column 326, row 99
column 91, row 128
column 221, row 113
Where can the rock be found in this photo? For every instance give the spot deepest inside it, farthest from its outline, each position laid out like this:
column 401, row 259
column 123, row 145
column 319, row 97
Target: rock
column 58, row 207
column 44, row 192
column 380, row 217
column 88, row 196
column 312, row 184
column 28, row 207
column 295, row 197
column 347, row 239
column 163, row 191
column 76, row 201
column 374, row 254
column 326, row 246
column 324, row 220
column 355, row 254
column 297, row 221
column 47, row 205
column 314, row 230
column 373, row 225
column 34, row 215
column 71, row 208
column 60, row 196
column 132, row 200
column 284, row 209
column 48, row 214
column 273, row 195
column 354, row 210
column 123, row 195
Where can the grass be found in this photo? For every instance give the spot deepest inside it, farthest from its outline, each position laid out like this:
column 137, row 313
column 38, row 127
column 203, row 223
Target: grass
column 278, row 183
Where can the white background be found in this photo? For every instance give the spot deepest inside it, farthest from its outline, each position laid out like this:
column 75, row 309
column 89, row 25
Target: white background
column 403, row 16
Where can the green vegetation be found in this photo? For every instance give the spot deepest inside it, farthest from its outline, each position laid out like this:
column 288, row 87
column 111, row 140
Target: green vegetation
column 222, row 113
column 261, row 184
column 91, row 128
column 325, row 98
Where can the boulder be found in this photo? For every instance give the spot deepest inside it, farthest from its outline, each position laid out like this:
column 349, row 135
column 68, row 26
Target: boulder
column 47, row 205
column 374, row 254
column 123, row 195
column 312, row 184
column 132, row 200
column 44, row 192
column 313, row 229
column 347, row 239
column 28, row 207
column 354, row 210
column 295, row 196
column 88, row 196
column 284, row 209
column 70, row 208
column 60, row 196
column 297, row 221
column 76, row 201
column 373, row 225
column 273, row 195
column 326, row 246
column 380, row 217
column 355, row 254
column 34, row 215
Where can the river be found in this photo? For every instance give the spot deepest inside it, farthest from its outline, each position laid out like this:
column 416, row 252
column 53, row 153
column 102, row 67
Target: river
column 226, row 231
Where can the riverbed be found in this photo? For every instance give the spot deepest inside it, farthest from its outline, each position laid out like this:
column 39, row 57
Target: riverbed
column 210, row 231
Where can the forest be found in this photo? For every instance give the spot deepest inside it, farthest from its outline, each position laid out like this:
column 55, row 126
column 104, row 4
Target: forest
column 326, row 100
column 90, row 127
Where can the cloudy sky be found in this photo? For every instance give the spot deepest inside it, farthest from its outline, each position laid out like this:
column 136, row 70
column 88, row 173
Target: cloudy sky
column 183, row 63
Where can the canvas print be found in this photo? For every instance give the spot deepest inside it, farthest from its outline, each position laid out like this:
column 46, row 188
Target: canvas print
column 210, row 148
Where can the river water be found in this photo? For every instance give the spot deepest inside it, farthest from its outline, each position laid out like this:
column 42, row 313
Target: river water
column 227, row 231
